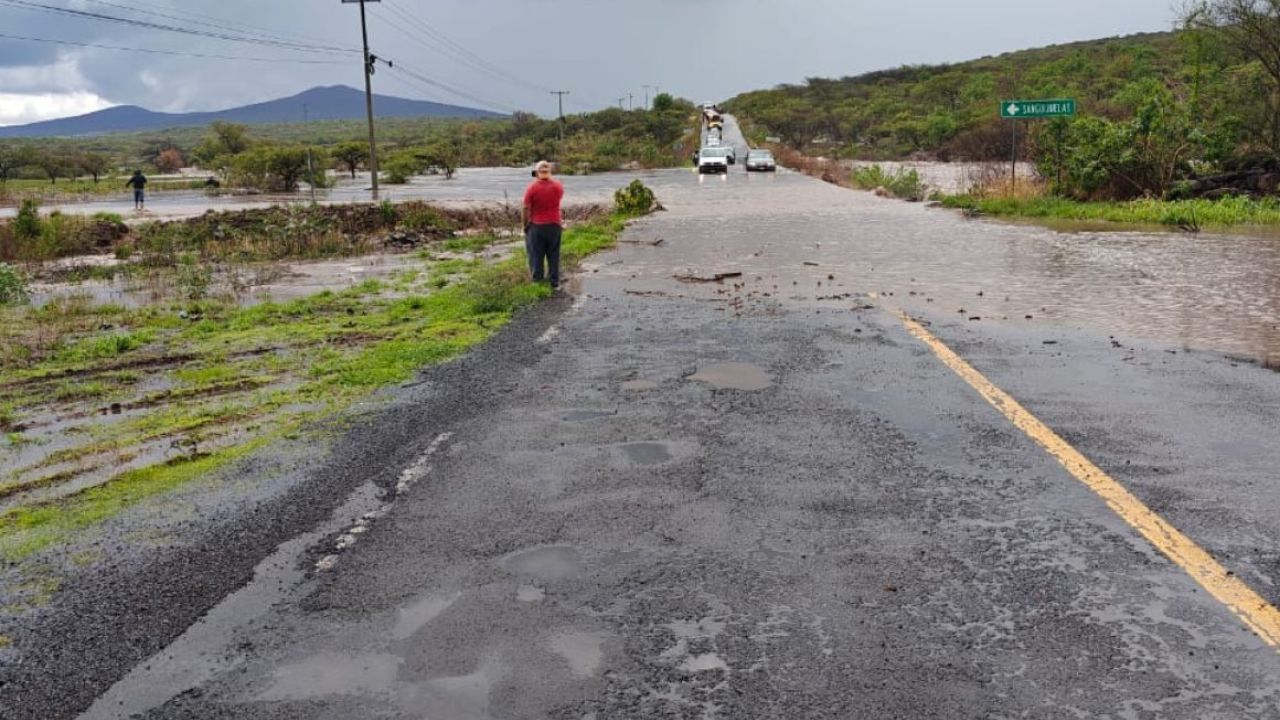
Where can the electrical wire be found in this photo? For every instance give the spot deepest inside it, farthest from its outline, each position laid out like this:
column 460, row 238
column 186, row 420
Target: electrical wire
column 172, row 52
column 409, row 71
column 195, row 18
column 457, row 50
column 84, row 14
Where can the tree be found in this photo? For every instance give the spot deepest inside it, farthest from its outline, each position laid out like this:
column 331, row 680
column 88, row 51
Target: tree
column 277, row 169
column 444, row 157
column 170, row 161
column 95, row 164
column 1252, row 26
column 233, row 138
column 12, row 159
column 664, row 102
column 351, row 155
column 53, row 163
column 224, row 141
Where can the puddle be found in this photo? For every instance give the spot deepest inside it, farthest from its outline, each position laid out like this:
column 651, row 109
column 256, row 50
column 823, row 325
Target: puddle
column 733, row 376
column 530, row 594
column 587, row 415
column 553, row 562
column 333, row 674
column 647, row 453
column 418, row 615
column 187, row 662
column 465, row 696
column 249, row 284
column 639, row 386
column 583, row 650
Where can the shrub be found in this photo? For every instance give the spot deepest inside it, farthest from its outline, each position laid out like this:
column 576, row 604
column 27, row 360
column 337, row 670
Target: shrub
column 903, row 184
column 13, row 289
column 424, row 219
column 27, row 225
column 634, row 199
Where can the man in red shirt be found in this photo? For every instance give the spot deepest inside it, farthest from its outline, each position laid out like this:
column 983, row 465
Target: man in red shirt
column 543, row 224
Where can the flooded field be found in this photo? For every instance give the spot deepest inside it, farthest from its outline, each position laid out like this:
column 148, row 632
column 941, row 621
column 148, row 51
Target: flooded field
column 470, row 187
column 1198, row 291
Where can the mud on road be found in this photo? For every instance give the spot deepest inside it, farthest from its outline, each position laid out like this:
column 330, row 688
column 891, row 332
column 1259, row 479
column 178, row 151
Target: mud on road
column 735, row 499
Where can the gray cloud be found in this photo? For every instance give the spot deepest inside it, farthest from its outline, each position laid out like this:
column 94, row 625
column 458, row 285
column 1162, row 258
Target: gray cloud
column 600, row 51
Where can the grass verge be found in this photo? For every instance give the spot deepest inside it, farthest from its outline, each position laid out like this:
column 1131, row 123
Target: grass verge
column 338, row 346
column 1189, row 214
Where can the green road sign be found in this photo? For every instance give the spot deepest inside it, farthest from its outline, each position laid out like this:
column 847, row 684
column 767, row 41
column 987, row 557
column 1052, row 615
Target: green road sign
column 1015, row 109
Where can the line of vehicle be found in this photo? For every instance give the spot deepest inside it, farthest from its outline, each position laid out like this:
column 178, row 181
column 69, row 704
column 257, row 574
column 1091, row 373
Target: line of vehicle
column 1251, row 608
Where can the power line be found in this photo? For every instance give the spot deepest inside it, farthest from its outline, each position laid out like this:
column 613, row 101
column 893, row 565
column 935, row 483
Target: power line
column 458, row 50
column 84, row 14
column 208, row 21
column 172, row 52
column 396, row 65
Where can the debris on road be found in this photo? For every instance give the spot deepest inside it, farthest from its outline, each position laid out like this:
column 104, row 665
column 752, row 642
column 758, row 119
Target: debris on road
column 718, row 277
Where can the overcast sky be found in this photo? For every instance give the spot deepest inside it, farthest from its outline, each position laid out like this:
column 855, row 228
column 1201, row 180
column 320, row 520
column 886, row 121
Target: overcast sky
column 509, row 53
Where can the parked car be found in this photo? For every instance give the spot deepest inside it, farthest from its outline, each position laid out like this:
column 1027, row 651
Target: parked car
column 713, row 160
column 760, row 161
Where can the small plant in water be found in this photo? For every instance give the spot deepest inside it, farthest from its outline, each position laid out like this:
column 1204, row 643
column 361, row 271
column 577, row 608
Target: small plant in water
column 13, row 289
column 194, row 277
column 634, row 199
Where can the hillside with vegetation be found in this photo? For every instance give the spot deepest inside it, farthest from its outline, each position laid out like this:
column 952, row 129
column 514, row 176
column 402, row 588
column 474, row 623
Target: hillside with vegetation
column 274, row 157
column 1173, row 114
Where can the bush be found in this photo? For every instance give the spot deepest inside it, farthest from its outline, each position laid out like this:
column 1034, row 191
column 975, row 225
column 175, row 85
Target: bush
column 13, row 289
column 634, row 199
column 424, row 219
column 903, row 184
column 27, row 225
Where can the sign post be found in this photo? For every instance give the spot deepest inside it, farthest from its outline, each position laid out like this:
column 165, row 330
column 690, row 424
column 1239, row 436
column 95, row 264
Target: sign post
column 1016, row 110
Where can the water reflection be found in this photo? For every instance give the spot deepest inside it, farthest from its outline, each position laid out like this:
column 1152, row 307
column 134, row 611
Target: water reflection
column 804, row 239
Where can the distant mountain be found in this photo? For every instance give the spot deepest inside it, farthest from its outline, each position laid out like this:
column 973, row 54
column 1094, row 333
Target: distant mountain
column 336, row 102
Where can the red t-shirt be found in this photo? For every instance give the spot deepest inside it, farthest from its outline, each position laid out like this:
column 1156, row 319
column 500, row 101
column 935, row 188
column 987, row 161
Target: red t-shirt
column 543, row 200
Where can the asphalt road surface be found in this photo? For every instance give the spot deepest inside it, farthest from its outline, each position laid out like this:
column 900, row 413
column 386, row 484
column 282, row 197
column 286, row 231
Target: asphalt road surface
column 769, row 496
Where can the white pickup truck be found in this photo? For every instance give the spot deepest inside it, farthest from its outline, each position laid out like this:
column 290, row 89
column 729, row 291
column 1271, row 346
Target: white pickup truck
column 713, row 160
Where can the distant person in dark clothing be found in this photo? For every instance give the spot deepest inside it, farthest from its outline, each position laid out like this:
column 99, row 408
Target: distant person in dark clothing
column 543, row 224
column 139, row 183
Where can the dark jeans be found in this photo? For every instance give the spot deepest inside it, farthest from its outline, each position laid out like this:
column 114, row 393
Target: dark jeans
column 542, row 242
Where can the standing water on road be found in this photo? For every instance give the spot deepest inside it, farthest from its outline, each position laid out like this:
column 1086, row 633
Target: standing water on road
column 1207, row 291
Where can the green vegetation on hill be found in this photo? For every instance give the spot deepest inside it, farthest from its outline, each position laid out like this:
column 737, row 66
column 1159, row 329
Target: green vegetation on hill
column 1158, row 113
column 274, row 157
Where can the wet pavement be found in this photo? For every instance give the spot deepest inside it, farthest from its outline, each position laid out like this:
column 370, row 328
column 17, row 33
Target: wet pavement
column 761, row 497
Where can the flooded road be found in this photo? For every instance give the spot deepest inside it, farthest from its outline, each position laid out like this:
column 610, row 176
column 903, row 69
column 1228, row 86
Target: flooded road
column 754, row 492
column 799, row 240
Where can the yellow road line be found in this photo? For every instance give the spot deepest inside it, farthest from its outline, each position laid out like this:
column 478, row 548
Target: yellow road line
column 1254, row 611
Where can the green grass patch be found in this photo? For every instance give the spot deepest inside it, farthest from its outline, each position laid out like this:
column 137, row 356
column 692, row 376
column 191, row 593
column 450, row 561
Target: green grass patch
column 320, row 353
column 1190, row 213
column 26, row 530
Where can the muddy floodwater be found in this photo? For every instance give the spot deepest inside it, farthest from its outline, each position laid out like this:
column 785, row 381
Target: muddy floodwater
column 470, row 187
column 795, row 239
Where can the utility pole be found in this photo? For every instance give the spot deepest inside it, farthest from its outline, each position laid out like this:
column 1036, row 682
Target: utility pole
column 311, row 170
column 631, row 101
column 560, row 97
column 368, row 94
column 647, row 88
column 621, row 103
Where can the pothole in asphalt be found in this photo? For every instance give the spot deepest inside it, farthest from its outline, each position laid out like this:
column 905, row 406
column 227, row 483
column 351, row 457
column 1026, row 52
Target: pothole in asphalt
column 333, row 674
column 648, row 453
column 553, row 562
column 733, row 376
